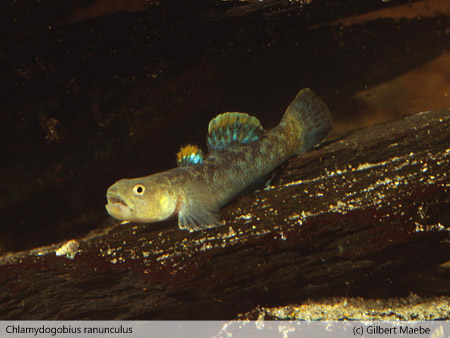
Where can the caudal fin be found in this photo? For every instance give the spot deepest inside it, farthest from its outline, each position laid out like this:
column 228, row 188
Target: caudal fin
column 311, row 119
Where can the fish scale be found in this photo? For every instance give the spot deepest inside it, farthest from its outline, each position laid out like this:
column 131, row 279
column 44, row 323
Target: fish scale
column 240, row 154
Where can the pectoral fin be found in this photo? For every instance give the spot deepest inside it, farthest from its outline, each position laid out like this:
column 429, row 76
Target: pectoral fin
column 199, row 209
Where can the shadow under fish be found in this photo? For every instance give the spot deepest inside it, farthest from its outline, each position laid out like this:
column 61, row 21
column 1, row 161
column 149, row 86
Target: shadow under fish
column 240, row 153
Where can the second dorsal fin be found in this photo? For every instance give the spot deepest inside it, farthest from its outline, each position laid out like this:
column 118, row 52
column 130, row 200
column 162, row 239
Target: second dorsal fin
column 229, row 130
column 189, row 155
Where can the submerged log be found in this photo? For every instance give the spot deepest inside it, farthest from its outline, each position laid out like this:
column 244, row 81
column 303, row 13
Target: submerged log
column 367, row 207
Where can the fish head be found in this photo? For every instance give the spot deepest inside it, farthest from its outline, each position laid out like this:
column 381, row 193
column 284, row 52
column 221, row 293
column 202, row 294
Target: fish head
column 143, row 200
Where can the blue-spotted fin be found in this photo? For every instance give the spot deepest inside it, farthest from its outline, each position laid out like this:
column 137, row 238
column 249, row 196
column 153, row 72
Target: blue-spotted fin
column 189, row 155
column 240, row 154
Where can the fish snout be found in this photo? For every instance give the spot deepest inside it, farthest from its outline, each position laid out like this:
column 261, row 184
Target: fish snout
column 115, row 199
column 117, row 207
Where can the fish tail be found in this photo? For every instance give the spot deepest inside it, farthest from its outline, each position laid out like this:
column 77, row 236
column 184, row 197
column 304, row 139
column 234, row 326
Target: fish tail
column 311, row 119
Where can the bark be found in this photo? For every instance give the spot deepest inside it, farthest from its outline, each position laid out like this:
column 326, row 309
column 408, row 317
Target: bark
column 368, row 207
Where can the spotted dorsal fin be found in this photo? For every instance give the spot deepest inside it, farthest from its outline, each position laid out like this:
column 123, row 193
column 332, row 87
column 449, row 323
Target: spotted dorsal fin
column 189, row 155
column 229, row 130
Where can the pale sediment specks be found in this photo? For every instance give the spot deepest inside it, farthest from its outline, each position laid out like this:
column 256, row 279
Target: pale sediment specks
column 69, row 249
column 384, row 179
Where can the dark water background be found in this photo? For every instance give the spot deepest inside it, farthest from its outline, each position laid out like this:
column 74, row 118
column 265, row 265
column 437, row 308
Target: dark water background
column 95, row 91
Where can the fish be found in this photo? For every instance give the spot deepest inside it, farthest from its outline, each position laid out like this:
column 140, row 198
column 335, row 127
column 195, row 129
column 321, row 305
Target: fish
column 240, row 154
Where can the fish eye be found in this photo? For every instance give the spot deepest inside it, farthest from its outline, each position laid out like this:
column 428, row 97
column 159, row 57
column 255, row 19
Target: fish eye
column 138, row 189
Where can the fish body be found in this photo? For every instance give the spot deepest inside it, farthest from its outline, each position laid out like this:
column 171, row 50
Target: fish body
column 240, row 154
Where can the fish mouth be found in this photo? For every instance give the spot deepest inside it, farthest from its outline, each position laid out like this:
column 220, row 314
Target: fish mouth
column 118, row 208
column 116, row 200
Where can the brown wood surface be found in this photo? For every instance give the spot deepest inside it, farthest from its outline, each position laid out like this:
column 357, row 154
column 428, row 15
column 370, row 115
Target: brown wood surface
column 371, row 205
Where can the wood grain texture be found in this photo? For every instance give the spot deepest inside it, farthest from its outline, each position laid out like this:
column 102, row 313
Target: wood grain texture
column 370, row 205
